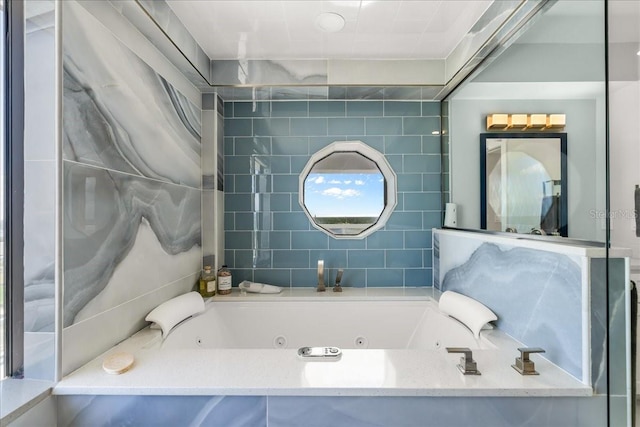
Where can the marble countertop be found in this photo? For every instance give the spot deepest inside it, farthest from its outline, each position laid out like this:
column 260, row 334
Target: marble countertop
column 280, row 372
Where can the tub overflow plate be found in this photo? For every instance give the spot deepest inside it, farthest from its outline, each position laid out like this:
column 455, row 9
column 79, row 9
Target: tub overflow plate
column 320, row 352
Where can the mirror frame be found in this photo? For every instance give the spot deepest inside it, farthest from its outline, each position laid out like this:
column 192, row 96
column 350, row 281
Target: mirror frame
column 373, row 155
column 564, row 217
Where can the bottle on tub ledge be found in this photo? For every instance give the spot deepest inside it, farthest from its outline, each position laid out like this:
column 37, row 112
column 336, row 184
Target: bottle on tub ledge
column 224, row 281
column 207, row 283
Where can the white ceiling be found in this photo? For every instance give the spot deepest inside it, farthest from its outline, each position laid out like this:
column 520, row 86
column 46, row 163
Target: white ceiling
column 375, row 29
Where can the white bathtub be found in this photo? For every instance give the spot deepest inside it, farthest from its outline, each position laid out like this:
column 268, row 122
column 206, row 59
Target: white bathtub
column 344, row 324
column 393, row 344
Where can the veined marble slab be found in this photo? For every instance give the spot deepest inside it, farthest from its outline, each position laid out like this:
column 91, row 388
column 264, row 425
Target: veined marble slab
column 119, row 113
column 266, row 72
column 103, row 215
column 336, row 411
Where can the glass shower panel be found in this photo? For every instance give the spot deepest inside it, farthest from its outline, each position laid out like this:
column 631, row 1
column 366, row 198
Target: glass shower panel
column 624, row 193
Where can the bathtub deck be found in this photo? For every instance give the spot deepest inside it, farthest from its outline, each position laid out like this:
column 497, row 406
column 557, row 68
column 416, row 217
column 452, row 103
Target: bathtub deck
column 347, row 294
column 280, row 372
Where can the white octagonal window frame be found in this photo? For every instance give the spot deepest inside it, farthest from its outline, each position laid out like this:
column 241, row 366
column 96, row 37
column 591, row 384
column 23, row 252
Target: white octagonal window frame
column 371, row 154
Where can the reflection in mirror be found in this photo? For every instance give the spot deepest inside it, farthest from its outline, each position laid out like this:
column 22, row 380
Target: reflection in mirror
column 555, row 65
column 524, row 183
column 347, row 190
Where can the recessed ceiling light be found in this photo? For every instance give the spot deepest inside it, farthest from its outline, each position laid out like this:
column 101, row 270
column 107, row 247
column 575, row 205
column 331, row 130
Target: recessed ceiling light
column 330, row 22
column 638, row 53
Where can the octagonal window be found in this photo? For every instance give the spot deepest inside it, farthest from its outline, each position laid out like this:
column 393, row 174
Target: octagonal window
column 348, row 189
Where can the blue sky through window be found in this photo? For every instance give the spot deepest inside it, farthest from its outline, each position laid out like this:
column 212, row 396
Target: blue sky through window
column 344, row 194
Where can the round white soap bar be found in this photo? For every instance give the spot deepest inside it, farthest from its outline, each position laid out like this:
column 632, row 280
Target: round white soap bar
column 118, row 363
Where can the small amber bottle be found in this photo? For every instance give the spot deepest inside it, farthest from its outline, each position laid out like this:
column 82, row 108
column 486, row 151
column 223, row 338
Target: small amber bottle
column 224, row 281
column 207, row 285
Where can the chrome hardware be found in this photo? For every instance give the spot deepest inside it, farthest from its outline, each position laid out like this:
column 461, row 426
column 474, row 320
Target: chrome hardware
column 538, row 232
column 321, row 287
column 511, row 230
column 337, row 287
column 523, row 364
column 467, row 365
column 326, row 352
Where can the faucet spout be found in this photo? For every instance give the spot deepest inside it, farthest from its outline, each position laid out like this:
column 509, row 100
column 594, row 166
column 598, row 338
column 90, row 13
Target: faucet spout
column 321, row 287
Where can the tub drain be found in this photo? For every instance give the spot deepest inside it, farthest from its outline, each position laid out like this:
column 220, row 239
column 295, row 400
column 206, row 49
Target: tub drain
column 280, row 342
column 199, row 341
column 361, row 342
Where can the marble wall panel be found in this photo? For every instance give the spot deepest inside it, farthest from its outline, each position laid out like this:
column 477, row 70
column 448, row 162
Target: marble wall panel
column 267, row 72
column 39, row 245
column 333, row 92
column 123, row 236
column 215, row 411
column 536, row 294
column 256, row 411
column 119, row 113
column 40, row 190
column 131, row 183
column 436, row 412
column 89, row 338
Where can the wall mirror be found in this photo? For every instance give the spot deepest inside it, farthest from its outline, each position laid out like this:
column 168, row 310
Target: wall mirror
column 523, row 183
column 348, row 190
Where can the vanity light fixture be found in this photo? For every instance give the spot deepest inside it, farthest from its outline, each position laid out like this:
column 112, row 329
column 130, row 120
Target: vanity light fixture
column 537, row 121
column 556, row 121
column 330, row 22
column 525, row 121
column 518, row 121
column 498, row 121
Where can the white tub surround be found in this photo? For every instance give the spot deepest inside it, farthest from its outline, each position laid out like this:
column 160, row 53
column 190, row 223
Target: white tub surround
column 409, row 359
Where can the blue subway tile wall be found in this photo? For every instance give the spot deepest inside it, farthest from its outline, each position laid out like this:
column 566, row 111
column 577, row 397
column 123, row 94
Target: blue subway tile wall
column 268, row 236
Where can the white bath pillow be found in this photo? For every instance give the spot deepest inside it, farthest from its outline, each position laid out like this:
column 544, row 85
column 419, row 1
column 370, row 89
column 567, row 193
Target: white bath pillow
column 170, row 313
column 473, row 314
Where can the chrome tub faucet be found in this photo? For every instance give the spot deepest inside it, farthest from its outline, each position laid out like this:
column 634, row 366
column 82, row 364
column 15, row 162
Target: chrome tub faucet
column 321, row 287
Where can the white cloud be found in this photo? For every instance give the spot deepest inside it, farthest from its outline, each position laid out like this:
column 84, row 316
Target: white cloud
column 350, row 192
column 340, row 193
column 319, row 180
column 359, row 182
column 335, row 181
column 348, row 182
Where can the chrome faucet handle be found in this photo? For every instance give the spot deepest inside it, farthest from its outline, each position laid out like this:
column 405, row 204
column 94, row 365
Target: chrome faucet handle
column 467, row 365
column 524, row 365
column 321, row 287
column 337, row 287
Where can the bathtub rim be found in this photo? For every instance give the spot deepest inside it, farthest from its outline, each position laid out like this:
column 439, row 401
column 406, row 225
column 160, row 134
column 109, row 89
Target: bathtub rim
column 172, row 372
